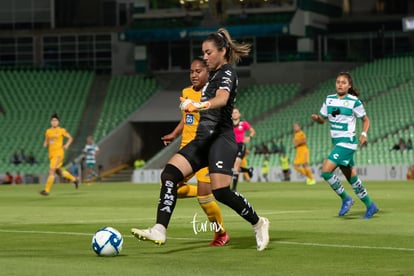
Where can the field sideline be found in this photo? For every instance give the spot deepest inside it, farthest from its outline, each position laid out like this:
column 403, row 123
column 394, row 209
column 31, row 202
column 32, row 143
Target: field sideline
column 52, row 235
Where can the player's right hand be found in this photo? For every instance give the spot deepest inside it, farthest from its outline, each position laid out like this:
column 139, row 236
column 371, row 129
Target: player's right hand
column 191, row 106
column 167, row 139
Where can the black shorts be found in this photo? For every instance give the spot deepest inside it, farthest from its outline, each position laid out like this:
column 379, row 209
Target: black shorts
column 241, row 151
column 218, row 152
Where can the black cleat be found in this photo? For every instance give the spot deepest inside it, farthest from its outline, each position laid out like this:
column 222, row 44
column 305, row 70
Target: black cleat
column 43, row 193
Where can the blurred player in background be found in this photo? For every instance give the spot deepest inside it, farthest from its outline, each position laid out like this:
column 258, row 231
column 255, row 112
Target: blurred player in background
column 91, row 151
column 54, row 137
column 188, row 128
column 284, row 164
column 245, row 164
column 240, row 127
column 301, row 162
column 341, row 110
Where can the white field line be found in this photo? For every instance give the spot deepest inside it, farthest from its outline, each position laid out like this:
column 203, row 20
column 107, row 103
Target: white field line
column 192, row 239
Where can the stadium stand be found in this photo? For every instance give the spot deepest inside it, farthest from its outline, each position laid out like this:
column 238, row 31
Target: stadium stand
column 29, row 98
column 386, row 89
column 125, row 95
column 266, row 98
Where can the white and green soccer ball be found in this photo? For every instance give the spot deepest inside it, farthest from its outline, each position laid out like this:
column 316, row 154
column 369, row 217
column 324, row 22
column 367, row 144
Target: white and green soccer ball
column 107, row 241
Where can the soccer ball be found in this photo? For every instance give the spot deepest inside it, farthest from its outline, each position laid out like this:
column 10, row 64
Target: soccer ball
column 107, row 241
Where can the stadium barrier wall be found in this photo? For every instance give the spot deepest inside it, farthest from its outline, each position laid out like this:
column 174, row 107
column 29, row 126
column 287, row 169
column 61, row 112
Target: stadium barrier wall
column 369, row 172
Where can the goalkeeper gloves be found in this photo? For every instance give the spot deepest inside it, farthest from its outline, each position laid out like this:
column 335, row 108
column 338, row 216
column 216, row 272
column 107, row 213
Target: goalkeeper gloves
column 190, row 106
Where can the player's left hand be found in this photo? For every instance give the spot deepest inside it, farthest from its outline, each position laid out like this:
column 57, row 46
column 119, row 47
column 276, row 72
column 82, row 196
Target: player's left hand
column 363, row 141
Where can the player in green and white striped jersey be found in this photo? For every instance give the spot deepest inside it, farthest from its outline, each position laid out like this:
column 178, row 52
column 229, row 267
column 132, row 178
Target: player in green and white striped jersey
column 341, row 110
column 91, row 150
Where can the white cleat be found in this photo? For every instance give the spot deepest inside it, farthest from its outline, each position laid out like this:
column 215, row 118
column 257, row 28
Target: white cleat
column 154, row 234
column 261, row 229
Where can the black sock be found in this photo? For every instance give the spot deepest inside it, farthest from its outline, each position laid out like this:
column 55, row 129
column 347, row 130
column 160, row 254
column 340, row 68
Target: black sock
column 170, row 176
column 238, row 203
column 244, row 169
column 235, row 180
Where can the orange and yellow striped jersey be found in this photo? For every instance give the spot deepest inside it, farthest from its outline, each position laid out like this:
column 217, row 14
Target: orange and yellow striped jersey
column 191, row 119
column 54, row 138
column 299, row 136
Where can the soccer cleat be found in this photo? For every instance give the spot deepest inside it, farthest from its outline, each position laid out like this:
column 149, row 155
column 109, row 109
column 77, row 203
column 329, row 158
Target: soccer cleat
column 43, row 193
column 150, row 234
column 371, row 210
column 250, row 172
column 346, row 205
column 310, row 181
column 76, row 182
column 261, row 229
column 220, row 239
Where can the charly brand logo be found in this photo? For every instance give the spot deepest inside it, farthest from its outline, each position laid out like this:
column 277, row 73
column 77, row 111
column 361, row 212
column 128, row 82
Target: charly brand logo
column 205, row 226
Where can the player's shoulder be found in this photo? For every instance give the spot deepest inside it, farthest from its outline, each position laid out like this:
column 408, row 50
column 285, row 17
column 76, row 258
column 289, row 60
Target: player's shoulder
column 245, row 123
column 187, row 89
column 190, row 93
column 352, row 97
column 227, row 70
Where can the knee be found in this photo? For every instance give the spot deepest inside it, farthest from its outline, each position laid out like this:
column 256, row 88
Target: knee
column 59, row 172
column 171, row 173
column 222, row 194
column 326, row 175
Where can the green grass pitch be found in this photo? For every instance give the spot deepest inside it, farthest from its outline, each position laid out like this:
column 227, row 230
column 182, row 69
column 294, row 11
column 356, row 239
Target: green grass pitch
column 52, row 235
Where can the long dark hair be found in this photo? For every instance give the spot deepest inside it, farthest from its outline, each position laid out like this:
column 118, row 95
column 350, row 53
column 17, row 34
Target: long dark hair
column 234, row 50
column 352, row 90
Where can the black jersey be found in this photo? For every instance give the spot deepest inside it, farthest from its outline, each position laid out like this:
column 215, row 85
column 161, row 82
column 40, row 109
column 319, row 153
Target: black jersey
column 215, row 144
column 220, row 119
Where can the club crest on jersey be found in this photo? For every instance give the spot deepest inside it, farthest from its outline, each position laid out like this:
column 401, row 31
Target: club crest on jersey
column 189, row 119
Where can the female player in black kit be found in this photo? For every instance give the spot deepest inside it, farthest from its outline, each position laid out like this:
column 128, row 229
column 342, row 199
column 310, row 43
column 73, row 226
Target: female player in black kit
column 214, row 146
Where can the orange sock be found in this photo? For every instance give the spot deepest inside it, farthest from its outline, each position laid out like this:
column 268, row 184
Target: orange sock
column 68, row 176
column 49, row 183
column 185, row 190
column 309, row 173
column 212, row 211
column 301, row 170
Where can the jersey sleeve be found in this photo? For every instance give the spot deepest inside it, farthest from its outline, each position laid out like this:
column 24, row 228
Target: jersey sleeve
column 246, row 125
column 324, row 110
column 359, row 109
column 227, row 80
column 64, row 132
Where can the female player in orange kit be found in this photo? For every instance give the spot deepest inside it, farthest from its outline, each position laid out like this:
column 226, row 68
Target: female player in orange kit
column 54, row 142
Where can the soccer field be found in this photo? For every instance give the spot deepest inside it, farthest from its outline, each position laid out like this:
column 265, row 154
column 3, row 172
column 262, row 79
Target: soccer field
column 52, row 235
